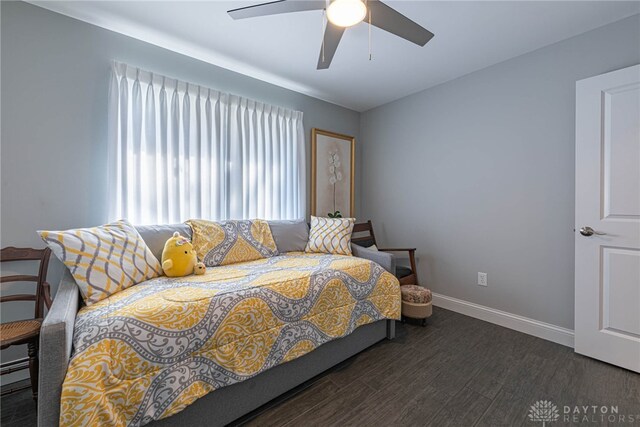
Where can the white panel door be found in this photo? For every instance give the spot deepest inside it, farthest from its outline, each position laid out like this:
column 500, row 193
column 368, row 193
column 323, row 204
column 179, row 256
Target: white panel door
column 607, row 237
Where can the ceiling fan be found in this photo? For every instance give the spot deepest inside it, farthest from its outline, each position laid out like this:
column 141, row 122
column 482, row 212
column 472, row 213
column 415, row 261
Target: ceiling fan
column 342, row 14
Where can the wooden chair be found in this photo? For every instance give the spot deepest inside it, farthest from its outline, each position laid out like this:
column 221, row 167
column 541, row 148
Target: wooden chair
column 26, row 331
column 406, row 275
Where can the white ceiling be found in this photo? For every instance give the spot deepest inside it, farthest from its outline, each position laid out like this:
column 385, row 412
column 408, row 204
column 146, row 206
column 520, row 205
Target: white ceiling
column 283, row 49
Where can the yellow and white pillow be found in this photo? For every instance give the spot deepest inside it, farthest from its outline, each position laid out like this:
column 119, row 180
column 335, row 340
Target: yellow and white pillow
column 330, row 235
column 230, row 242
column 104, row 260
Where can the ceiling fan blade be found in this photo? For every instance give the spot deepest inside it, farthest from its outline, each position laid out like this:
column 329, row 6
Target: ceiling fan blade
column 276, row 7
column 332, row 36
column 388, row 19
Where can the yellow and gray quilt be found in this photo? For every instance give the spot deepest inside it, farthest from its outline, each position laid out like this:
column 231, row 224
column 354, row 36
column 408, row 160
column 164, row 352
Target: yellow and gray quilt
column 149, row 351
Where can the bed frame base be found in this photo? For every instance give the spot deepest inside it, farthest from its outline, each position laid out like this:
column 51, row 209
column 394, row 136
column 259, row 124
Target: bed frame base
column 223, row 406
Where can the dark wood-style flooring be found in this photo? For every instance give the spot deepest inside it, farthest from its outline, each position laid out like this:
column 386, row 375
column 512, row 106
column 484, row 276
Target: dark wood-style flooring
column 456, row 371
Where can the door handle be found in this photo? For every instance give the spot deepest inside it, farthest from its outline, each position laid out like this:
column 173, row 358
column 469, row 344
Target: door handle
column 588, row 231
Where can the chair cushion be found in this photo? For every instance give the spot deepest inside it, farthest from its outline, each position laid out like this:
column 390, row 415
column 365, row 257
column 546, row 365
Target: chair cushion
column 364, row 242
column 415, row 294
column 16, row 332
column 402, row 271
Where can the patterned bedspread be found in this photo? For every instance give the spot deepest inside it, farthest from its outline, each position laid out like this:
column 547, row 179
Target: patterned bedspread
column 151, row 350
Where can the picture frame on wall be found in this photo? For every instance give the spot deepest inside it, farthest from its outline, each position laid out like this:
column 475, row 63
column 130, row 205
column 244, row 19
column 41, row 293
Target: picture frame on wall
column 332, row 174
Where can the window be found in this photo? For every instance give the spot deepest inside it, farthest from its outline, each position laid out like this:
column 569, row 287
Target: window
column 178, row 150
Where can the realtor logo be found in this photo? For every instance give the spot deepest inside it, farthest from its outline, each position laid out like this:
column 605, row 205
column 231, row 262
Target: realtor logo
column 544, row 411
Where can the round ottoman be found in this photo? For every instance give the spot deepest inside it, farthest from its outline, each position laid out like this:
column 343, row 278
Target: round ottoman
column 416, row 302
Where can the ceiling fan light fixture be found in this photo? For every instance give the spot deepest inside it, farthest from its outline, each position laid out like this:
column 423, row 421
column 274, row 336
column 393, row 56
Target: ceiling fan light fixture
column 346, row 13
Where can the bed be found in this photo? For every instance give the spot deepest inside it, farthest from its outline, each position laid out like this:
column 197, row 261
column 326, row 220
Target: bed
column 209, row 349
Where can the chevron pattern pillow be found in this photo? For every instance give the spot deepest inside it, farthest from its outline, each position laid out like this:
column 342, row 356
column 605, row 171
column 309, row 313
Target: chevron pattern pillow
column 330, row 235
column 104, row 260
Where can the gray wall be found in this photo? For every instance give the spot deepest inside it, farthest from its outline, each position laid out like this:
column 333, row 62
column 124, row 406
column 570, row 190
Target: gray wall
column 478, row 174
column 54, row 106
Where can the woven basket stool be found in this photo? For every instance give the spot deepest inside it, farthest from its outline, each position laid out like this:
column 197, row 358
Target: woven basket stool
column 416, row 302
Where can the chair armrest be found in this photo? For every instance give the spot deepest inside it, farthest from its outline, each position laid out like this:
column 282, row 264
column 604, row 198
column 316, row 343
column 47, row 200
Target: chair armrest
column 412, row 256
column 385, row 260
column 56, row 340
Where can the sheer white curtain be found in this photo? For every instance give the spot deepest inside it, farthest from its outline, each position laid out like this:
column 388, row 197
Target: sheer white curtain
column 178, row 151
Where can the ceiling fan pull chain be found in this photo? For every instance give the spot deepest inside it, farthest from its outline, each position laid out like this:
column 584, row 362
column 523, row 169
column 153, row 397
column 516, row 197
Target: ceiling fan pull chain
column 324, row 11
column 369, row 34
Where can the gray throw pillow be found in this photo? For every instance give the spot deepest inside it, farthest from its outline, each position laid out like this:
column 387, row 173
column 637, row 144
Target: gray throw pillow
column 155, row 236
column 290, row 235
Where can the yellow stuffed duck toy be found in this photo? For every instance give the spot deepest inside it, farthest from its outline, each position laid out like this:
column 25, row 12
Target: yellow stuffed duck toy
column 179, row 259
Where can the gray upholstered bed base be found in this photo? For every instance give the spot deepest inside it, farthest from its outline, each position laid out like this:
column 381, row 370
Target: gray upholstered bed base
column 56, row 340
column 230, row 403
column 217, row 408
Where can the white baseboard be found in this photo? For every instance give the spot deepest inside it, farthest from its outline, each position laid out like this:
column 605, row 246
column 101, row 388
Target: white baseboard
column 518, row 323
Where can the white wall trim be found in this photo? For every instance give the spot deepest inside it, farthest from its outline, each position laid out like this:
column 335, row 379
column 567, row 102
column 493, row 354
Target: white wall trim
column 518, row 323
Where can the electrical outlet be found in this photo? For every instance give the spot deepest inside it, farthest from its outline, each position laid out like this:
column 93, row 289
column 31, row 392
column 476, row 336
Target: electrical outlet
column 482, row 279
